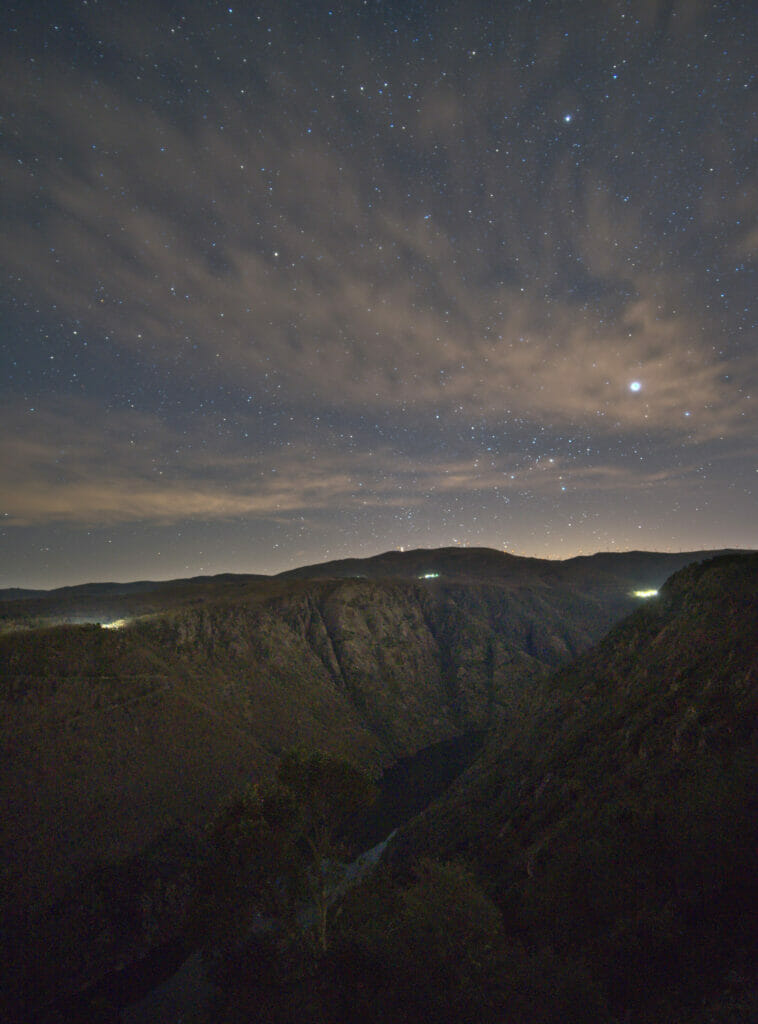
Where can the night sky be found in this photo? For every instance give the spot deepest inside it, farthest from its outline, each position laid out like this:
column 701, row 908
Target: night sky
column 283, row 283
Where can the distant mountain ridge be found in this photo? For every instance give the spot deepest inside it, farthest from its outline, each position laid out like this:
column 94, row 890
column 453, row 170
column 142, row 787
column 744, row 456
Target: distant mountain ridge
column 20, row 594
column 114, row 589
column 488, row 563
column 101, row 601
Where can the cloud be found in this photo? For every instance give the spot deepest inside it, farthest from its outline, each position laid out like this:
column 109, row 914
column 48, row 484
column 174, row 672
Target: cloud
column 237, row 247
column 73, row 463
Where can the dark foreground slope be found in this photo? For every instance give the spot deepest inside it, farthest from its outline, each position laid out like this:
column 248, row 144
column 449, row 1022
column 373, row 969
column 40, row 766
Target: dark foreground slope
column 615, row 821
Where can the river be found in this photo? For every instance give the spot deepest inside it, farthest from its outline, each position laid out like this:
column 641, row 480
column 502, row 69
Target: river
column 169, row 986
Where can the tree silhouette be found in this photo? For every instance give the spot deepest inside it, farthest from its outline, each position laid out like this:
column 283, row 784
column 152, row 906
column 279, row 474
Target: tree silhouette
column 280, row 846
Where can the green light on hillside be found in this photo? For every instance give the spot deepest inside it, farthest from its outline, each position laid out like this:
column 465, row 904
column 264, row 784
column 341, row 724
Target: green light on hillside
column 429, row 576
column 644, row 593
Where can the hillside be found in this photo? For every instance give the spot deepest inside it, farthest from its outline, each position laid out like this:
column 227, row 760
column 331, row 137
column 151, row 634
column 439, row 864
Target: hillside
column 615, row 815
column 633, row 569
column 120, row 741
column 609, row 576
column 112, row 735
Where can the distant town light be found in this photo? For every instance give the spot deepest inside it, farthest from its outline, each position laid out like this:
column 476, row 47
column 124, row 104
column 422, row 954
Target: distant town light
column 644, row 593
column 116, row 624
column 429, row 576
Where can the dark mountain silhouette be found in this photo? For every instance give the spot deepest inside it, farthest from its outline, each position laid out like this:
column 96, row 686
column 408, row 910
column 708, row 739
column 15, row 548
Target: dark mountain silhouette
column 644, row 569
column 120, row 741
column 20, row 594
column 211, row 677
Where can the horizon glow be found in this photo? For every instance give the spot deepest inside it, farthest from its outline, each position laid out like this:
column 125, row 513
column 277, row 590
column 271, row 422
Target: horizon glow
column 267, row 305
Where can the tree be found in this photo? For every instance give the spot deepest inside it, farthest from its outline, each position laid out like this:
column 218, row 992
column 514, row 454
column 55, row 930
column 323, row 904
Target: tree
column 279, row 846
column 430, row 948
column 326, row 792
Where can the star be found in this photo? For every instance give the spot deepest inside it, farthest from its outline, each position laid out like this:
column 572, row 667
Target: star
column 410, row 308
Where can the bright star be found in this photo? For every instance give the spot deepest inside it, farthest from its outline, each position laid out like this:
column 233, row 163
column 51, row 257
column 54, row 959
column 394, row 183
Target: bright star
column 635, row 386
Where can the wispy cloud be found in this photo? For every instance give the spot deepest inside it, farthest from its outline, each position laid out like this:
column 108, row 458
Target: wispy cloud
column 71, row 464
column 290, row 271
column 238, row 246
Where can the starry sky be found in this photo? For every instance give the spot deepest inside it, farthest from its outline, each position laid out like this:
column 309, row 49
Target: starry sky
column 284, row 282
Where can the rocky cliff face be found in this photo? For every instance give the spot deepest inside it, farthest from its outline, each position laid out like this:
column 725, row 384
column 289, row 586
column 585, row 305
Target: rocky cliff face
column 114, row 738
column 401, row 664
column 113, row 735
